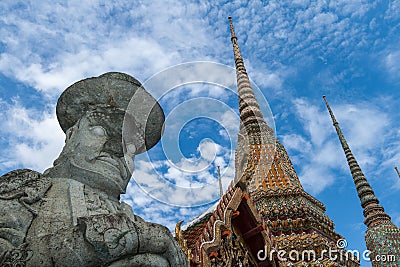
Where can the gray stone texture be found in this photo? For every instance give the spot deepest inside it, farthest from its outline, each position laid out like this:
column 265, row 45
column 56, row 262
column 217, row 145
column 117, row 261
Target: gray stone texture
column 71, row 214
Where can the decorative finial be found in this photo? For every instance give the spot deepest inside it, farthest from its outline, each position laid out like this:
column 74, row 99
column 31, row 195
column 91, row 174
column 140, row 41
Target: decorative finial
column 221, row 192
column 249, row 108
column 330, row 111
column 373, row 212
column 336, row 124
column 233, row 35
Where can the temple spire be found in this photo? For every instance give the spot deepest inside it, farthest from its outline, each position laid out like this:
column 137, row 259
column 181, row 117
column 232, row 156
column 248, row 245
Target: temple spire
column 373, row 212
column 236, row 50
column 249, row 108
column 221, row 191
column 382, row 236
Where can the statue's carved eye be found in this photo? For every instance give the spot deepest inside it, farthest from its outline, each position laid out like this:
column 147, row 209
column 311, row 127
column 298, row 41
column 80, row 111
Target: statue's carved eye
column 99, row 131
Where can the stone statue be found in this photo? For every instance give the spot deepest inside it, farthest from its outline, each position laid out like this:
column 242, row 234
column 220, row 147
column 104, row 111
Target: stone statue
column 71, row 214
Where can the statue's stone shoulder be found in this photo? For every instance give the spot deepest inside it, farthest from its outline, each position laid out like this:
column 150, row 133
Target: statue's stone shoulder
column 26, row 184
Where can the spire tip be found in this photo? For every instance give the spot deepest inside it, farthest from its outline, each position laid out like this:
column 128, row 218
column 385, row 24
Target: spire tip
column 229, row 17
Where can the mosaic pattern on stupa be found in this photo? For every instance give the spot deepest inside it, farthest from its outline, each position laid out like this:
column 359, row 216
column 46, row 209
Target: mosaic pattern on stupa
column 264, row 168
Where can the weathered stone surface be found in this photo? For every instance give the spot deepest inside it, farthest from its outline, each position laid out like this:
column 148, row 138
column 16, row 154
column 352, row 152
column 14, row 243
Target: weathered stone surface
column 116, row 90
column 71, row 214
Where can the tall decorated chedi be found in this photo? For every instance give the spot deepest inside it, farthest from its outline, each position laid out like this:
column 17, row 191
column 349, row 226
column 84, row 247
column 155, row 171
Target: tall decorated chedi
column 382, row 236
column 296, row 220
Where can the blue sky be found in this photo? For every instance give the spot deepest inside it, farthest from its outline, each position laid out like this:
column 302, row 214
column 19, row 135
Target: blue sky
column 294, row 51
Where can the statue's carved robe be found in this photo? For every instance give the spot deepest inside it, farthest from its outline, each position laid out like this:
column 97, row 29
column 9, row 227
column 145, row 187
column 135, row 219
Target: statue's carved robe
column 19, row 191
column 62, row 222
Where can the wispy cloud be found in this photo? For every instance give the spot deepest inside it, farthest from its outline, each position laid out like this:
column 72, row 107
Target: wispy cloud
column 390, row 62
column 318, row 153
column 71, row 67
column 191, row 181
column 186, row 194
column 137, row 38
column 34, row 137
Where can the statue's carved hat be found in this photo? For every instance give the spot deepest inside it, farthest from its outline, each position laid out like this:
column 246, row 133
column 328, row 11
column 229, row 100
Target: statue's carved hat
column 118, row 91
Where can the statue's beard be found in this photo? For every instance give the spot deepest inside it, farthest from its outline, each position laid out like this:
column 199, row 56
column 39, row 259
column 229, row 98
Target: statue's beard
column 96, row 178
column 112, row 178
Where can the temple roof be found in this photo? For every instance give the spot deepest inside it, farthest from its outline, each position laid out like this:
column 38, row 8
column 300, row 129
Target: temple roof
column 199, row 219
column 234, row 214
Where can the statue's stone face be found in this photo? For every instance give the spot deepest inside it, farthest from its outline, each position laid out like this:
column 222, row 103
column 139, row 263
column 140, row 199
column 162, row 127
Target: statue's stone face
column 96, row 156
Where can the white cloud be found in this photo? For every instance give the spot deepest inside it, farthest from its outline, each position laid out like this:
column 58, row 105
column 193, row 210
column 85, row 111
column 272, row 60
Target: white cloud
column 319, row 153
column 295, row 32
column 230, row 121
column 365, row 128
column 35, row 138
column 391, row 63
column 391, row 158
column 145, row 38
column 141, row 39
column 315, row 122
column 153, row 210
column 147, row 55
column 352, row 8
column 208, row 149
column 296, row 142
column 314, row 178
column 393, row 10
column 188, row 182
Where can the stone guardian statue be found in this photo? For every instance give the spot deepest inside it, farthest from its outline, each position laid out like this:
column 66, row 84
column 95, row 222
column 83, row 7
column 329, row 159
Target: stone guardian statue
column 71, row 214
